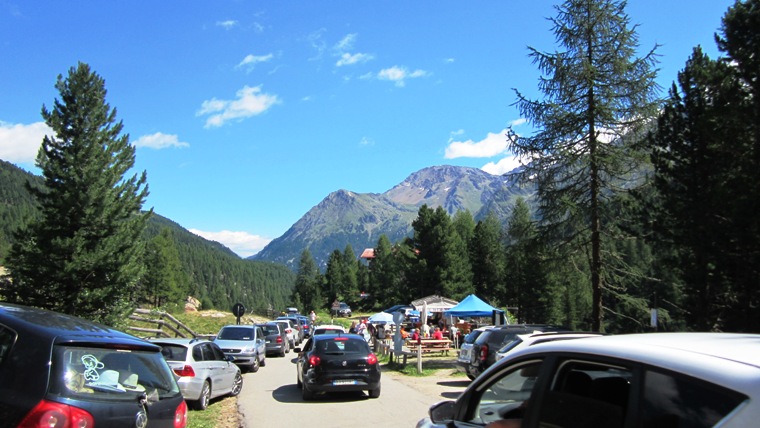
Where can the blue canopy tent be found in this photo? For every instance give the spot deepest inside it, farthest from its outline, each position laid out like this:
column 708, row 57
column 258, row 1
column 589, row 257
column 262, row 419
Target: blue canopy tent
column 472, row 306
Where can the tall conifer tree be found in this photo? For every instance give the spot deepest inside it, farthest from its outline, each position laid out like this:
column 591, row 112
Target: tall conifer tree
column 596, row 91
column 83, row 256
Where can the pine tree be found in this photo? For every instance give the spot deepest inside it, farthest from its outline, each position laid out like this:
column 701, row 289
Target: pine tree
column 597, row 91
column 487, row 256
column 308, row 287
column 83, row 256
column 164, row 283
column 701, row 154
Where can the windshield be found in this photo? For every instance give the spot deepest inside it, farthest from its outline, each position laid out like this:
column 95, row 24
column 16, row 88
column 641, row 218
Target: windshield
column 112, row 374
column 236, row 333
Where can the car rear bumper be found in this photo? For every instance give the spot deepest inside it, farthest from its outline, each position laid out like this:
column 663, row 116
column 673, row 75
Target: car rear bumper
column 343, row 382
column 190, row 387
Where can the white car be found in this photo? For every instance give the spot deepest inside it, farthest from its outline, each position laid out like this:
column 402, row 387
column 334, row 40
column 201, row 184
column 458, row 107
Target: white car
column 328, row 329
column 525, row 340
column 287, row 325
column 203, row 371
column 638, row 380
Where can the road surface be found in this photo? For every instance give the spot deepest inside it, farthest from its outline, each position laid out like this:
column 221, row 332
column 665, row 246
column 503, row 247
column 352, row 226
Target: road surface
column 270, row 398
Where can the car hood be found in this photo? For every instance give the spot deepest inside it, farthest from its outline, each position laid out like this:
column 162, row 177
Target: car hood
column 227, row 344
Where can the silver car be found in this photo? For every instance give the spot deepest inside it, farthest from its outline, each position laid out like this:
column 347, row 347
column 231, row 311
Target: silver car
column 247, row 343
column 203, row 371
column 636, row 380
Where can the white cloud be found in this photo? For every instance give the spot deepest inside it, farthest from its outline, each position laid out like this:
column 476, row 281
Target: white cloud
column 20, row 143
column 503, row 166
column 346, row 43
column 250, row 101
column 493, row 145
column 250, row 61
column 518, row 122
column 366, row 141
column 160, row 141
column 228, row 24
column 398, row 75
column 243, row 244
column 351, row 59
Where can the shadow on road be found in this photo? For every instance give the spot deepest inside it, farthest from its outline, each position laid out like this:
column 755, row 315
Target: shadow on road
column 455, row 383
column 291, row 394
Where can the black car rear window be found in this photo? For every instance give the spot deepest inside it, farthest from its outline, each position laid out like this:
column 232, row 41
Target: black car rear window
column 111, row 374
column 342, row 345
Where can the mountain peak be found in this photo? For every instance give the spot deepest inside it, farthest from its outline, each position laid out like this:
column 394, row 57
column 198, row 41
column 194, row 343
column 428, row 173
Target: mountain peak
column 345, row 217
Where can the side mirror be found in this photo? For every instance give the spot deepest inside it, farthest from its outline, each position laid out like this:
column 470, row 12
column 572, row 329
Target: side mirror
column 229, row 358
column 297, row 350
column 442, row 411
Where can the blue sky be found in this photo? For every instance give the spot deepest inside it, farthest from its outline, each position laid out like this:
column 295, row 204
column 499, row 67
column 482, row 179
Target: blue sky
column 246, row 114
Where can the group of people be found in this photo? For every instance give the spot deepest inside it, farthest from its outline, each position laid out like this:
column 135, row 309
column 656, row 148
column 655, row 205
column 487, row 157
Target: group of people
column 415, row 333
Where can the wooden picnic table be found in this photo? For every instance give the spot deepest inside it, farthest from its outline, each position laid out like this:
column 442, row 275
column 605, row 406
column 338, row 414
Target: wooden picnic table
column 430, row 345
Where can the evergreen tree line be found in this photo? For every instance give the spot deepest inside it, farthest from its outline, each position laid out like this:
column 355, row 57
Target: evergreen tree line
column 641, row 202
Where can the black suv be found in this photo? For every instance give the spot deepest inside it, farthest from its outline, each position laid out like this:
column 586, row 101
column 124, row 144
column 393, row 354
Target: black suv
column 59, row 370
column 489, row 342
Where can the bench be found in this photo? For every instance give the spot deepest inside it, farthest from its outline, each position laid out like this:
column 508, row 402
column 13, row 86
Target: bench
column 430, row 345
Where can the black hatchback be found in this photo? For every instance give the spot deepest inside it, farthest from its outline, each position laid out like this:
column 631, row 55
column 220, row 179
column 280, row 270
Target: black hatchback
column 57, row 370
column 336, row 363
column 484, row 350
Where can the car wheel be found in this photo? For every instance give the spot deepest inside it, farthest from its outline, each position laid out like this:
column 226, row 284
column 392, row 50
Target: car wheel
column 374, row 393
column 237, row 385
column 283, row 351
column 306, row 394
column 255, row 364
column 202, row 402
column 299, row 384
column 263, row 361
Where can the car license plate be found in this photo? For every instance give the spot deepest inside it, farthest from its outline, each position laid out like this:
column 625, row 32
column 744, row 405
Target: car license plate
column 344, row 382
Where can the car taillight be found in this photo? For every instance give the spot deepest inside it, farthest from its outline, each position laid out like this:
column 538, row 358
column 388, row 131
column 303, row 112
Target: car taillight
column 314, row 360
column 48, row 414
column 279, row 339
column 371, row 359
column 288, row 330
column 185, row 371
column 180, row 415
column 483, row 352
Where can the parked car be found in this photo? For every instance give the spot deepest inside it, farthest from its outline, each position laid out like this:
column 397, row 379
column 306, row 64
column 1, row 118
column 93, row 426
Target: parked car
column 328, row 329
column 337, row 362
column 244, row 342
column 464, row 356
column 693, row 380
column 57, row 370
column 203, row 371
column 305, row 324
column 525, row 340
column 289, row 331
column 344, row 310
column 277, row 342
column 295, row 324
column 484, row 348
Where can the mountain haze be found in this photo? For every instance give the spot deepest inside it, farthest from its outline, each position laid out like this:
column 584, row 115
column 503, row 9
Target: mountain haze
column 358, row 219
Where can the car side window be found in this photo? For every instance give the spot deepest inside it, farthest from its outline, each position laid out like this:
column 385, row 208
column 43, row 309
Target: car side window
column 218, row 353
column 587, row 394
column 507, row 396
column 7, row 337
column 198, row 352
column 679, row 401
